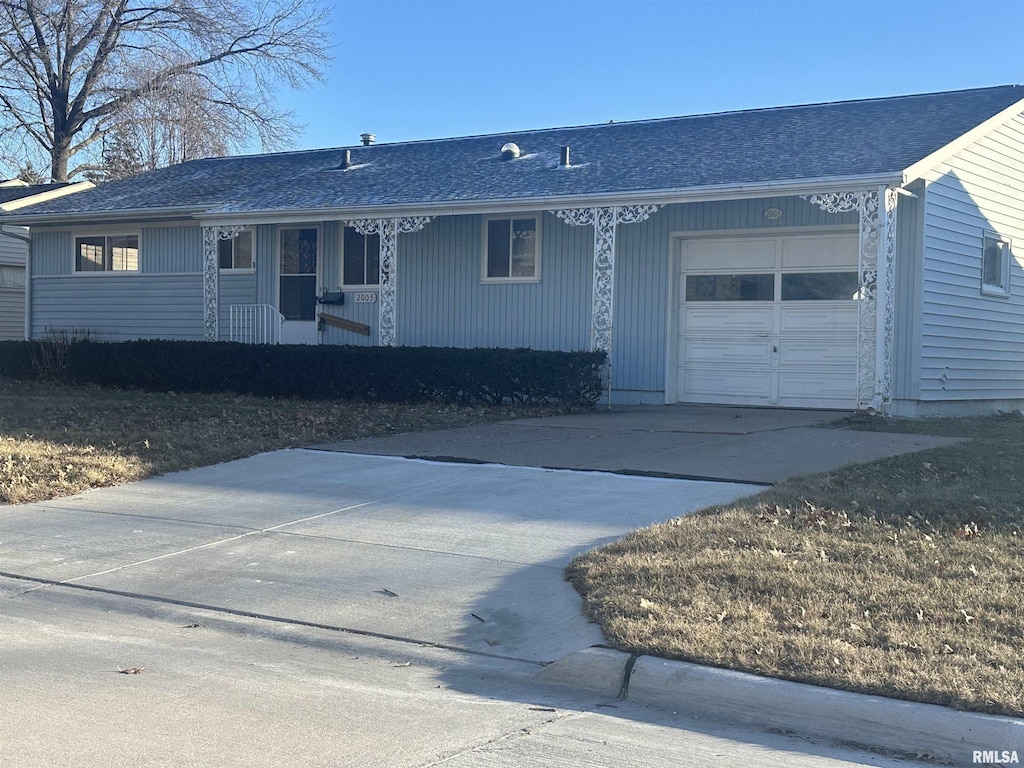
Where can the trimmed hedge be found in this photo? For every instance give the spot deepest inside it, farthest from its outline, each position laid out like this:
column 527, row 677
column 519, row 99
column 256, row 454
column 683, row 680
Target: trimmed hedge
column 393, row 374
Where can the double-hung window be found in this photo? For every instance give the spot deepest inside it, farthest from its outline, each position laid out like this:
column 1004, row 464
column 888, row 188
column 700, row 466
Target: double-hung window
column 107, row 253
column 511, row 250
column 361, row 268
column 995, row 265
column 236, row 253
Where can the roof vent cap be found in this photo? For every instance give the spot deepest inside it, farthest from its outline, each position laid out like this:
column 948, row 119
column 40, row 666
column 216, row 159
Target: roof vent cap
column 510, row 151
column 367, row 139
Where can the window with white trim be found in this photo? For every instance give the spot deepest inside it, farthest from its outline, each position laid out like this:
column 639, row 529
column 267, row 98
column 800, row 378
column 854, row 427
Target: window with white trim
column 995, row 265
column 107, row 253
column 511, row 250
column 360, row 260
column 236, row 253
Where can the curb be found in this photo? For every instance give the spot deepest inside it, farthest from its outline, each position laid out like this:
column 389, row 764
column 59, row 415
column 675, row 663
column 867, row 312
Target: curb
column 874, row 722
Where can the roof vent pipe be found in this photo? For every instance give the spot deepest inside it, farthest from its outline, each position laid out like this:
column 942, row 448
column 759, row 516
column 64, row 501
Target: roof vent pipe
column 346, row 160
column 368, row 139
column 564, row 161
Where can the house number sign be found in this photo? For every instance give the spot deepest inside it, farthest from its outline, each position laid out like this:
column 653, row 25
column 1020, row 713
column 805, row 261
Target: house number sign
column 367, row 297
column 773, row 214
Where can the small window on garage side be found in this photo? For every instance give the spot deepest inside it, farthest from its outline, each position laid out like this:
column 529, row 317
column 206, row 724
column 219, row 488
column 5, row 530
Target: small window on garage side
column 107, row 253
column 511, row 250
column 361, row 260
column 236, row 253
column 995, row 265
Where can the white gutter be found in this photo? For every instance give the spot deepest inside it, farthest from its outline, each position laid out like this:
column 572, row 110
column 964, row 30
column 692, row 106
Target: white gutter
column 660, row 197
column 27, row 239
column 99, row 217
column 216, row 217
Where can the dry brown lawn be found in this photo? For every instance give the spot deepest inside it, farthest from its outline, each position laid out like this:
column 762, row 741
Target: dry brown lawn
column 903, row 577
column 57, row 440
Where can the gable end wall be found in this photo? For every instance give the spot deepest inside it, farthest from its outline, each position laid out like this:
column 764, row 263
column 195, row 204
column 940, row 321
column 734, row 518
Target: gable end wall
column 972, row 345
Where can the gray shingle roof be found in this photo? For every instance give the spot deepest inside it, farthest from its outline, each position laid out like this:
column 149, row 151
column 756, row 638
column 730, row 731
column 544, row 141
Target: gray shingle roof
column 840, row 139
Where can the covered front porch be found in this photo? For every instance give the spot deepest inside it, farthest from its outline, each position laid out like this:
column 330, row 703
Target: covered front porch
column 608, row 277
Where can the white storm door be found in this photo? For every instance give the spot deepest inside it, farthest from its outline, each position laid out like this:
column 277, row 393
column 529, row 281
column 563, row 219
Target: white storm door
column 298, row 249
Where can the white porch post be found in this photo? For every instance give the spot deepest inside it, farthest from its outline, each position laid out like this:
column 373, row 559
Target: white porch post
column 388, row 229
column 605, row 222
column 211, row 278
column 876, row 251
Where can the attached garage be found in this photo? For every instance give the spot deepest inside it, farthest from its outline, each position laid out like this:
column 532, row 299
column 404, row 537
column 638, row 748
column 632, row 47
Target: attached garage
column 768, row 320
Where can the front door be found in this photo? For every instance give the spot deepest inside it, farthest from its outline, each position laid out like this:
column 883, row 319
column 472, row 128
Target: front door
column 296, row 297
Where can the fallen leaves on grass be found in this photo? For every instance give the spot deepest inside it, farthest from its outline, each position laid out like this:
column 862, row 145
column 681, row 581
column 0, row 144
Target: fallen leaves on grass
column 901, row 577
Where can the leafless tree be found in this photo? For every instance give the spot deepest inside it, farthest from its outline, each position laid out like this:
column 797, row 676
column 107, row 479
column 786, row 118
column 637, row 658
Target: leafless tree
column 72, row 71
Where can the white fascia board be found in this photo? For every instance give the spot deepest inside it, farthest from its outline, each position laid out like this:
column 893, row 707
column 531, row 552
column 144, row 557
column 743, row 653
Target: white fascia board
column 659, row 197
column 13, row 183
column 928, row 163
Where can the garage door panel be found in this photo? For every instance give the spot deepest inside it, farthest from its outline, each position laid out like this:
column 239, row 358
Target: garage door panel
column 741, row 253
column 823, row 389
column 823, row 317
column 828, row 251
column 794, row 346
column 739, row 352
column 817, row 354
column 732, row 318
column 718, row 385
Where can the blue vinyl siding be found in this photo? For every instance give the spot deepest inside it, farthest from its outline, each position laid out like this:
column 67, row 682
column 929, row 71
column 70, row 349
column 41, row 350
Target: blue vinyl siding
column 120, row 307
column 52, row 252
column 171, row 250
column 442, row 302
column 237, row 288
column 972, row 345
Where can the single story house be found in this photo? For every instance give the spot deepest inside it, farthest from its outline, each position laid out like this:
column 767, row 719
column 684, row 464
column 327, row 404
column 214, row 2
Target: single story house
column 15, row 194
column 851, row 255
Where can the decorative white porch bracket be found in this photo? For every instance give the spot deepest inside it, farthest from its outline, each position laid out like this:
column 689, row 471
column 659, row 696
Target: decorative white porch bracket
column 605, row 221
column 876, row 264
column 211, row 277
column 388, row 229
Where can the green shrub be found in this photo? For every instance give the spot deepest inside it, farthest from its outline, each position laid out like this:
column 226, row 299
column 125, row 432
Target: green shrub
column 407, row 374
column 15, row 360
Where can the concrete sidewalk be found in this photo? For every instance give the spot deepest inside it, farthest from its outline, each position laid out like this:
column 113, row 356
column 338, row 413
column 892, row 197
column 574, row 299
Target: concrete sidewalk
column 750, row 445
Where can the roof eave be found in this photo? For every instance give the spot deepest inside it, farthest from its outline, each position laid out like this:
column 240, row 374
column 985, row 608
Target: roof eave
column 214, row 216
column 657, row 197
column 28, row 219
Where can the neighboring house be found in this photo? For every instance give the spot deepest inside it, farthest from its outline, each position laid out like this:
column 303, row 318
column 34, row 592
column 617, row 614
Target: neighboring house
column 858, row 254
column 15, row 194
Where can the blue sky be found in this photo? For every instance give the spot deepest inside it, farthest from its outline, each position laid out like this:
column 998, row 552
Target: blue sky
column 419, row 69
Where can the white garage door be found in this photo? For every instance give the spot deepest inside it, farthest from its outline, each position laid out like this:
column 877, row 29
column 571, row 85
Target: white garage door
column 769, row 321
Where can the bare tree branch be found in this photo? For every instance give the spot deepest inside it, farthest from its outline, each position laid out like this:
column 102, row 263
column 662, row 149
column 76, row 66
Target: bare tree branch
column 72, row 71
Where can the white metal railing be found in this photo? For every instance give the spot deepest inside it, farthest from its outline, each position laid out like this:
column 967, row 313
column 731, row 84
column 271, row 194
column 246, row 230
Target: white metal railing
column 255, row 324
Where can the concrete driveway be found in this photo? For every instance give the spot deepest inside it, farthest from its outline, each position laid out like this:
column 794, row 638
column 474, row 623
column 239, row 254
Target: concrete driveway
column 753, row 445
column 463, row 556
column 321, row 609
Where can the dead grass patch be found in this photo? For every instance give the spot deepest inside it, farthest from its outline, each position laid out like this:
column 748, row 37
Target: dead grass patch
column 903, row 577
column 57, row 440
